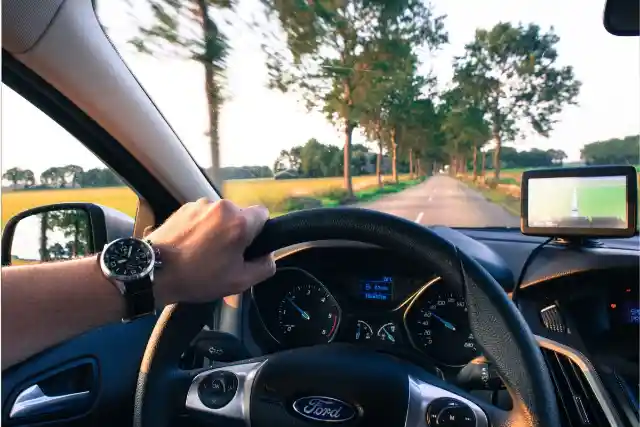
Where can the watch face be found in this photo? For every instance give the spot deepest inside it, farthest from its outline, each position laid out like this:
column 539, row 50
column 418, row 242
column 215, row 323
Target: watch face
column 128, row 258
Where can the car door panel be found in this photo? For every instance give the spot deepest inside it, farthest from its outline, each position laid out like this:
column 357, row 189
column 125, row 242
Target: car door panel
column 103, row 362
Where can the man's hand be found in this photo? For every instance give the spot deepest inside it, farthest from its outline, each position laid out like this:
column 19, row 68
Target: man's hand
column 202, row 247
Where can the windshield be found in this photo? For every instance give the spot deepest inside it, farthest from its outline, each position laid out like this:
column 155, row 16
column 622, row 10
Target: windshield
column 427, row 110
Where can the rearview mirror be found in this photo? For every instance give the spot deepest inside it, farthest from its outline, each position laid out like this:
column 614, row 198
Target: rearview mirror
column 61, row 231
column 622, row 17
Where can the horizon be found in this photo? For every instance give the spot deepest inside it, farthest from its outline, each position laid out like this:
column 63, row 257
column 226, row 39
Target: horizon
column 257, row 123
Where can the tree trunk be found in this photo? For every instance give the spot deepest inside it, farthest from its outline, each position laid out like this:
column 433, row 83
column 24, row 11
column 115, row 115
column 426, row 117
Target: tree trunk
column 348, row 132
column 411, row 163
column 394, row 157
column 484, row 162
column 213, row 103
column 475, row 162
column 214, row 99
column 76, row 236
column 44, row 226
column 379, row 164
column 496, row 157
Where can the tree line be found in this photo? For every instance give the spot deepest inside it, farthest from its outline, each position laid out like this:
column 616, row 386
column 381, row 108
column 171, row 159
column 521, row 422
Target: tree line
column 612, row 151
column 63, row 177
column 359, row 62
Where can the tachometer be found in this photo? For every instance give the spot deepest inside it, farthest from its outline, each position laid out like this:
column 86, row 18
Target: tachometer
column 308, row 314
column 438, row 324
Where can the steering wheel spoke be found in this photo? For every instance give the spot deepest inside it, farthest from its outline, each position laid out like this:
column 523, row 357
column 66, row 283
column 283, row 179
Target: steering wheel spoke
column 223, row 391
column 241, row 392
column 437, row 406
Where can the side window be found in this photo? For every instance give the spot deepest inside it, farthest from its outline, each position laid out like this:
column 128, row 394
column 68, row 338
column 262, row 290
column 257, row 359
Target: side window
column 43, row 164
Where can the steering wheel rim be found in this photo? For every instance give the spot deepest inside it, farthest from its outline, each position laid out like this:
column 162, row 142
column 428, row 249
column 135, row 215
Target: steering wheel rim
column 499, row 329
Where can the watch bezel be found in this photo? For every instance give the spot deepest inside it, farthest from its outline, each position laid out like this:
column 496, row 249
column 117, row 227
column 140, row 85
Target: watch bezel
column 147, row 272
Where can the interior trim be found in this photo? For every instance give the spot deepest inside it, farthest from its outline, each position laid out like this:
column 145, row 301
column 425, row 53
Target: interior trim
column 145, row 218
column 290, row 250
column 590, row 374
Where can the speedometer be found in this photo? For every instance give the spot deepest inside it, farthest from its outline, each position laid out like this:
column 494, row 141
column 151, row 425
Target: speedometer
column 438, row 324
column 308, row 314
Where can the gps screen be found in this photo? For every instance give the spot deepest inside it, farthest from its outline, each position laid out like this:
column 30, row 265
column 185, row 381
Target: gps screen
column 580, row 202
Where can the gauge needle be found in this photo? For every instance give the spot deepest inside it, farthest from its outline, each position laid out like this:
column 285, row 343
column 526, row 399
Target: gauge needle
column 391, row 338
column 303, row 313
column 444, row 322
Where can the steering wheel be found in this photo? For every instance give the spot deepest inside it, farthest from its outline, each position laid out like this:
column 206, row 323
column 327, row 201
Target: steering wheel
column 341, row 383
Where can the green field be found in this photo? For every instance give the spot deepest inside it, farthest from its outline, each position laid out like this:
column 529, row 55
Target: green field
column 554, row 199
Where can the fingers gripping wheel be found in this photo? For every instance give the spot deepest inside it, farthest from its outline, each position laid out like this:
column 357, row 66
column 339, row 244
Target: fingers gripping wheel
column 375, row 387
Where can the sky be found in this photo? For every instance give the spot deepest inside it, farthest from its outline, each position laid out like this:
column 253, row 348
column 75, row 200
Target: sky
column 256, row 123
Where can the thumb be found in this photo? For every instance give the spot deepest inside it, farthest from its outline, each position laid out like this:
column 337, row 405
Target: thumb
column 260, row 269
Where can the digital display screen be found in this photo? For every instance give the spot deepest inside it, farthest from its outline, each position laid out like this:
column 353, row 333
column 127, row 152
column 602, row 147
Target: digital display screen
column 631, row 312
column 380, row 289
column 577, row 202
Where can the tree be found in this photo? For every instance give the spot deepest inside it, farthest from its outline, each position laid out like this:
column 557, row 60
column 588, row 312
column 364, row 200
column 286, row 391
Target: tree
column 393, row 87
column 187, row 30
column 423, row 139
column 74, row 173
column 323, row 61
column 14, row 175
column 74, row 225
column 557, row 156
column 512, row 71
column 29, row 178
column 465, row 128
column 53, row 176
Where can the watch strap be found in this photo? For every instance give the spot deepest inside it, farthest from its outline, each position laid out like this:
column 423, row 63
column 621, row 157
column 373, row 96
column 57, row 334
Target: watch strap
column 138, row 296
column 139, row 299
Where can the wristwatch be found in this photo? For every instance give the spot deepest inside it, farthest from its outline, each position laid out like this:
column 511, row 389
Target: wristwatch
column 130, row 263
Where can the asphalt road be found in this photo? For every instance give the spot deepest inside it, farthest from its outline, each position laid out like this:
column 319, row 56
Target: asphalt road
column 442, row 200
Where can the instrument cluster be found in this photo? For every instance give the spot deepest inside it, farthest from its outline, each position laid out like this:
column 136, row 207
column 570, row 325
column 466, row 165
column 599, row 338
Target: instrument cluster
column 399, row 313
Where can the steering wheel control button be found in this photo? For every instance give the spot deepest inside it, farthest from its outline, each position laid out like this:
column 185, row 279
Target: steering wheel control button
column 217, row 389
column 450, row 413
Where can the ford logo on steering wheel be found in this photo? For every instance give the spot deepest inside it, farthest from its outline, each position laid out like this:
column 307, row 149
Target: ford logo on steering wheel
column 327, row 409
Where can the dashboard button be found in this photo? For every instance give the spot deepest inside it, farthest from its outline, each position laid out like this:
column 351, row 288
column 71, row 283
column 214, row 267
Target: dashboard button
column 447, row 412
column 217, row 389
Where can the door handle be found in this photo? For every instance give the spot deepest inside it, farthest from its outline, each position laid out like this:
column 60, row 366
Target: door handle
column 33, row 401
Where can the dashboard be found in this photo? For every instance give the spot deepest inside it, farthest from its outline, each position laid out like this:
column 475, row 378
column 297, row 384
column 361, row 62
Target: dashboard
column 386, row 309
column 582, row 299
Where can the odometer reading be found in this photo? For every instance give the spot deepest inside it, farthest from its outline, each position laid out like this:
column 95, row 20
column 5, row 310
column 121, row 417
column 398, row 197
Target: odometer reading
column 439, row 325
column 308, row 314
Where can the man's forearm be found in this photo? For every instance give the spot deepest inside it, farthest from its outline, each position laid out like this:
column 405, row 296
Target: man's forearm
column 43, row 305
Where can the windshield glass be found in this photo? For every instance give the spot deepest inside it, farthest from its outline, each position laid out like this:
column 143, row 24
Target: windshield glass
column 427, row 110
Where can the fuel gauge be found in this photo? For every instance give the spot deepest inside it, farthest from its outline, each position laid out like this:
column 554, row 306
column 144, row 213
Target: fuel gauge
column 363, row 331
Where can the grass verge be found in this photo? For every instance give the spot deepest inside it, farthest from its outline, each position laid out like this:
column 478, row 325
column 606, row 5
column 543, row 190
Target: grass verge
column 508, row 202
column 338, row 197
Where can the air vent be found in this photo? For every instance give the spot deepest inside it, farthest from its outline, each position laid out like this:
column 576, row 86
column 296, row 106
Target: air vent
column 552, row 319
column 577, row 402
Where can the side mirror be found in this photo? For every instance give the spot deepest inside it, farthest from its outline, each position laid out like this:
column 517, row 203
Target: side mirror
column 61, row 231
column 622, row 17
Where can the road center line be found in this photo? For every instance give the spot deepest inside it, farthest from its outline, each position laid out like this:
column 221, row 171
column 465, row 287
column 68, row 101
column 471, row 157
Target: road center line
column 419, row 218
